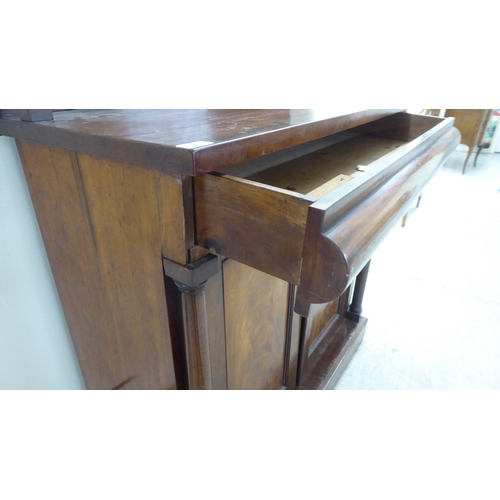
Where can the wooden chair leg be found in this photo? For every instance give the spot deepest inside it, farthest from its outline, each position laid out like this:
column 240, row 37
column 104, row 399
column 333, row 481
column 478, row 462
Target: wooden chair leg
column 479, row 148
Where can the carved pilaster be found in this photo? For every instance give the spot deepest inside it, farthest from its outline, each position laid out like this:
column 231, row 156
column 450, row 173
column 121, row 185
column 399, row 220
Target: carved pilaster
column 191, row 280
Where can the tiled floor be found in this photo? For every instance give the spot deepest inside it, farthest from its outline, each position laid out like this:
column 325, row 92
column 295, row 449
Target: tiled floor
column 433, row 294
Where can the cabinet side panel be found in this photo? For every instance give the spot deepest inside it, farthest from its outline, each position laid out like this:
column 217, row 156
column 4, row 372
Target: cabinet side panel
column 175, row 206
column 256, row 306
column 100, row 223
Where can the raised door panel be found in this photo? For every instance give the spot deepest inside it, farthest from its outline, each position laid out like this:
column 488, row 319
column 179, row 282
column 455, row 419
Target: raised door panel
column 256, row 310
column 320, row 316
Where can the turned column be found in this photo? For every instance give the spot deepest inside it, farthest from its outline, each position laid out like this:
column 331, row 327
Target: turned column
column 355, row 309
column 191, row 280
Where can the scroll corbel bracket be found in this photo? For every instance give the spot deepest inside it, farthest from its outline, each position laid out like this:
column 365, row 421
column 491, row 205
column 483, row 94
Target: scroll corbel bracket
column 193, row 274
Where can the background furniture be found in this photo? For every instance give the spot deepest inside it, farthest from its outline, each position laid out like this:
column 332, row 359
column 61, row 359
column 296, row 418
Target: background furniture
column 471, row 124
column 220, row 249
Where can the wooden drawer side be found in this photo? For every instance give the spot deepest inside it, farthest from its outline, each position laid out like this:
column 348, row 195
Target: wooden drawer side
column 258, row 226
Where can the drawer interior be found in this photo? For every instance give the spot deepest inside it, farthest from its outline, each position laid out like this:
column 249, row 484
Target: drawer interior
column 312, row 174
column 321, row 167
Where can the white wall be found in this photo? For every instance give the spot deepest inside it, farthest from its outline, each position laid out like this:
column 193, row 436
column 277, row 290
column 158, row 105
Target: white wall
column 36, row 351
column 495, row 142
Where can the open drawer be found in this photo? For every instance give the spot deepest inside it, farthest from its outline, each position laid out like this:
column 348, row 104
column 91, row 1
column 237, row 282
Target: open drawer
column 313, row 214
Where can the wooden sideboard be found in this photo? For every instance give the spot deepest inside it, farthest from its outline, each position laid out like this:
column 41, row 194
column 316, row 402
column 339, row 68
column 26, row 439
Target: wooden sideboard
column 220, row 249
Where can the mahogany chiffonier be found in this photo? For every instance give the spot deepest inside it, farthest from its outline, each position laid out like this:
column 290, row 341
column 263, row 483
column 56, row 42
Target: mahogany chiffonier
column 219, row 249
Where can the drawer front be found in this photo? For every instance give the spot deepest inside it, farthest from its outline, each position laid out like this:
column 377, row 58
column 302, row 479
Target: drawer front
column 339, row 243
column 279, row 220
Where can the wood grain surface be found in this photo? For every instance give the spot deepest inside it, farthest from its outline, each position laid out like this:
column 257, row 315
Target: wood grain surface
column 174, row 200
column 326, row 364
column 196, row 337
column 258, row 226
column 104, row 234
column 256, row 306
column 329, row 186
column 216, row 324
column 319, row 329
column 320, row 316
column 152, row 138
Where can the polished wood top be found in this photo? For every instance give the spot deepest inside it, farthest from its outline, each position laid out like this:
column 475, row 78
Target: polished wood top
column 193, row 141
